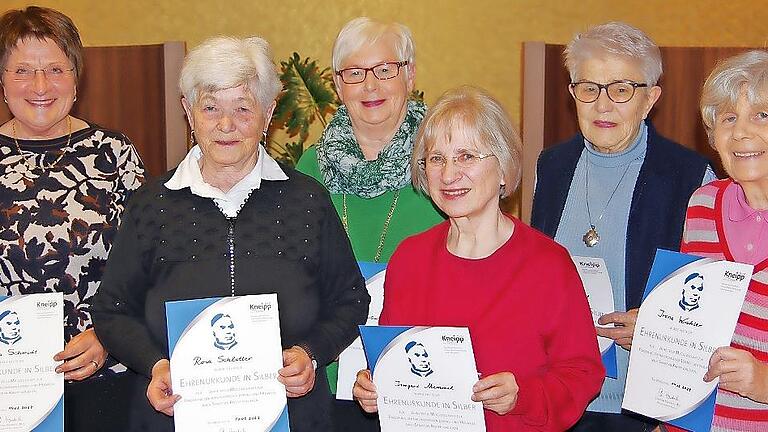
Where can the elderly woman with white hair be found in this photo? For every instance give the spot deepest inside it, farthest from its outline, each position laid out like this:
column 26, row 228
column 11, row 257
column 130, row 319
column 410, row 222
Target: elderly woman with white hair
column 728, row 220
column 231, row 221
column 618, row 189
column 485, row 270
column 363, row 157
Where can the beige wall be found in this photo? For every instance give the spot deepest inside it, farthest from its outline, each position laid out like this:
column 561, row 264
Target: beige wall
column 457, row 41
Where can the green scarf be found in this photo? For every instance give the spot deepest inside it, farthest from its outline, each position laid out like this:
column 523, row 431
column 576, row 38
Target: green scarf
column 344, row 167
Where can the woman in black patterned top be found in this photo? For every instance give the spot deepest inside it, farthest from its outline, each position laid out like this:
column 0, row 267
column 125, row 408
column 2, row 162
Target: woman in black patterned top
column 63, row 186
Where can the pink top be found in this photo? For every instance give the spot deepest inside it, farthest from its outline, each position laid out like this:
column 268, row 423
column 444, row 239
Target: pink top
column 746, row 229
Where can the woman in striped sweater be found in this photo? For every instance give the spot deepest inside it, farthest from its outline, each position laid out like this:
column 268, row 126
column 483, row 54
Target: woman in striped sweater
column 728, row 219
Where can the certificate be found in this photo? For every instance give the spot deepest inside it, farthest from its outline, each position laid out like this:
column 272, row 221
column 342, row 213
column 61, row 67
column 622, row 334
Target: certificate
column 424, row 378
column 225, row 354
column 31, row 392
column 597, row 284
column 690, row 308
column 352, row 359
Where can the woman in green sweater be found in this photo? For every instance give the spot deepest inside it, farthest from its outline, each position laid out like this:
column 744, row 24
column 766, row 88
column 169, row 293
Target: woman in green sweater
column 363, row 156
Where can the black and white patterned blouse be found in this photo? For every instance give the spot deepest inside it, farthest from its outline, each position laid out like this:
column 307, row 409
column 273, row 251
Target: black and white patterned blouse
column 57, row 223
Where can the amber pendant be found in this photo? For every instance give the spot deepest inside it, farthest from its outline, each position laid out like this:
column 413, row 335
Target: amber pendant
column 591, row 238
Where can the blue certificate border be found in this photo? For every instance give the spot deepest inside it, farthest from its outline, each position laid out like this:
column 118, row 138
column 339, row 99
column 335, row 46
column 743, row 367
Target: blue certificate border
column 664, row 264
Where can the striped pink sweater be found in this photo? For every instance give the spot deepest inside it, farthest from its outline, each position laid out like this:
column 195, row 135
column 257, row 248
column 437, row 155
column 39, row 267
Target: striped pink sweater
column 704, row 236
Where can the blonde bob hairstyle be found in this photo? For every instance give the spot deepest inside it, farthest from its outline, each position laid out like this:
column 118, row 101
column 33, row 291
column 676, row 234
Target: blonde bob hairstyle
column 618, row 39
column 223, row 62
column 363, row 32
column 484, row 119
column 745, row 73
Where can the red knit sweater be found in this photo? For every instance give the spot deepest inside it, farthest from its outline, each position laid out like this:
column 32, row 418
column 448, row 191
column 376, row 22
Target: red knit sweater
column 704, row 236
column 526, row 311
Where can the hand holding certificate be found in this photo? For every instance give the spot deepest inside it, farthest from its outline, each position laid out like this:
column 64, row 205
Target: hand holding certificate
column 424, row 378
column 690, row 309
column 31, row 391
column 225, row 358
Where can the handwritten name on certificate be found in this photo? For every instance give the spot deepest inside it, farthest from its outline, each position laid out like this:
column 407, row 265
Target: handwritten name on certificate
column 31, row 392
column 225, row 354
column 690, row 308
column 424, row 378
column 352, row 359
column 597, row 284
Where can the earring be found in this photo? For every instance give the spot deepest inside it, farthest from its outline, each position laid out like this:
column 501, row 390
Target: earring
column 264, row 138
column 192, row 137
column 502, row 188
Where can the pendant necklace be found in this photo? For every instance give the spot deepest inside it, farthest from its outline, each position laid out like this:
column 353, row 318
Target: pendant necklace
column 591, row 238
column 42, row 166
column 345, row 222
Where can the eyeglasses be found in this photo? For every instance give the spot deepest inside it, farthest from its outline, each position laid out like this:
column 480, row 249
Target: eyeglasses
column 617, row 91
column 383, row 71
column 52, row 73
column 462, row 160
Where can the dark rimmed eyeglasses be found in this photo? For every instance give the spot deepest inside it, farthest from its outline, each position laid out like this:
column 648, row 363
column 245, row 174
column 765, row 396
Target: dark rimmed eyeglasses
column 383, row 71
column 617, row 91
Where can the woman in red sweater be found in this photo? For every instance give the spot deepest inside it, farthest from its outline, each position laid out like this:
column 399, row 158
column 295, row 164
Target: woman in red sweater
column 516, row 290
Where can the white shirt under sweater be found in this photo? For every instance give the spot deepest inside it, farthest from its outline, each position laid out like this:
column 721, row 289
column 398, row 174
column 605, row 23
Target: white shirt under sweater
column 188, row 175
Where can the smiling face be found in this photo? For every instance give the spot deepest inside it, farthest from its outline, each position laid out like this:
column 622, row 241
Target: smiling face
column 40, row 105
column 228, row 126
column 611, row 127
column 741, row 140
column 376, row 104
column 463, row 192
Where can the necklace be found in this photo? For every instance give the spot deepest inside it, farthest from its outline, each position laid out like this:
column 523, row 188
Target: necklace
column 345, row 222
column 42, row 161
column 591, row 238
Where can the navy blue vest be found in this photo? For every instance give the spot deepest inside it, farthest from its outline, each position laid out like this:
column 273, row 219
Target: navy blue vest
column 669, row 176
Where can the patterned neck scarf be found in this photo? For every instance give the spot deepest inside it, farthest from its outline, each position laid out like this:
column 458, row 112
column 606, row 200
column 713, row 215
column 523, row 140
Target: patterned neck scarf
column 344, row 167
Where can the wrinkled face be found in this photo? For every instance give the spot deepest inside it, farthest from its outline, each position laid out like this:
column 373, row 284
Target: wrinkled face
column 10, row 326
column 376, row 103
column 228, row 126
column 692, row 291
column 463, row 192
column 224, row 331
column 741, row 140
column 419, row 358
column 42, row 102
column 612, row 127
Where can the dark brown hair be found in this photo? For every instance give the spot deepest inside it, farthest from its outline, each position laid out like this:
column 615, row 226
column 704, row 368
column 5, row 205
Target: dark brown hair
column 41, row 23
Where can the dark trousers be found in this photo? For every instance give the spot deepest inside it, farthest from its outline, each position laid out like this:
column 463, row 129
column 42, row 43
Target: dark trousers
column 97, row 404
column 606, row 422
column 349, row 417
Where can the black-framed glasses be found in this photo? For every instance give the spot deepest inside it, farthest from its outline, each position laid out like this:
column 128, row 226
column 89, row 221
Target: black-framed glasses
column 53, row 73
column 463, row 160
column 617, row 91
column 383, row 71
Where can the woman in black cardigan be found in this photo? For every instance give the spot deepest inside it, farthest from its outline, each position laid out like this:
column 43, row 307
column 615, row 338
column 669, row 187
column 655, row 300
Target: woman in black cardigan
column 231, row 221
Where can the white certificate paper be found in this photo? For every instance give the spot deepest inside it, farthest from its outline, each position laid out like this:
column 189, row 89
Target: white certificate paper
column 225, row 354
column 597, row 284
column 352, row 359
column 690, row 308
column 31, row 392
column 424, row 378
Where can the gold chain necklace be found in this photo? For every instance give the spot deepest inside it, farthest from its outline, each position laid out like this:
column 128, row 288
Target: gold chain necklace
column 42, row 163
column 345, row 222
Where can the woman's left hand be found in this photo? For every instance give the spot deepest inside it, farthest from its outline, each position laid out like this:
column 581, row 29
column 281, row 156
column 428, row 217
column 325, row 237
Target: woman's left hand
column 298, row 373
column 83, row 355
column 497, row 392
column 740, row 372
column 624, row 323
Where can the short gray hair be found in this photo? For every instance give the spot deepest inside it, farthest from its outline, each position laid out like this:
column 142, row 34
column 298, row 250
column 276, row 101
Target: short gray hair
column 619, row 39
column 481, row 115
column 363, row 31
column 744, row 73
column 225, row 62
